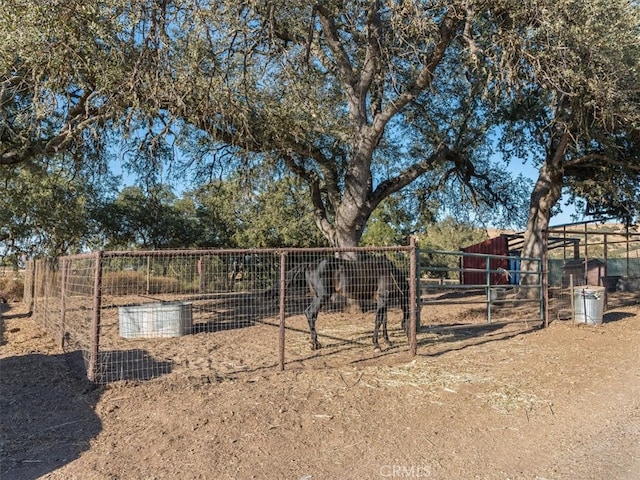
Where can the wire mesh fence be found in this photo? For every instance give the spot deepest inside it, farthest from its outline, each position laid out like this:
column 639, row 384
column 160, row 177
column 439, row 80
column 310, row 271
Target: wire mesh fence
column 61, row 294
column 139, row 315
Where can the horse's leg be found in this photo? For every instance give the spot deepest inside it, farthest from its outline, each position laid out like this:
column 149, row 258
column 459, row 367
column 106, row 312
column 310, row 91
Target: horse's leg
column 385, row 334
column 311, row 313
column 381, row 319
column 405, row 316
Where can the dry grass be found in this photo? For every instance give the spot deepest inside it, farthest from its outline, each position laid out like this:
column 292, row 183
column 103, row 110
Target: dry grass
column 122, row 283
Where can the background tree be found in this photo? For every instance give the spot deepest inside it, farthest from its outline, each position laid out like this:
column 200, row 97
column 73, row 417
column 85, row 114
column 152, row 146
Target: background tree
column 43, row 210
column 394, row 222
column 576, row 104
column 280, row 216
column 448, row 235
column 147, row 220
column 262, row 211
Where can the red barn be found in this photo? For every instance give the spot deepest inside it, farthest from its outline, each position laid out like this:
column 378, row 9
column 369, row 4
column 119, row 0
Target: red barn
column 475, row 268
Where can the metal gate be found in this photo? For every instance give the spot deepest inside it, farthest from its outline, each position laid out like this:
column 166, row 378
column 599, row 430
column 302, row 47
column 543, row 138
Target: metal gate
column 458, row 288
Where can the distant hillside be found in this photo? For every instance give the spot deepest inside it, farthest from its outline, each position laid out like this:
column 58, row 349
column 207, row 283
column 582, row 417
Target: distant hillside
column 496, row 232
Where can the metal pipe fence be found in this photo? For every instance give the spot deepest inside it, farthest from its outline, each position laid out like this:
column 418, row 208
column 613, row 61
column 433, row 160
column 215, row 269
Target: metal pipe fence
column 608, row 257
column 501, row 295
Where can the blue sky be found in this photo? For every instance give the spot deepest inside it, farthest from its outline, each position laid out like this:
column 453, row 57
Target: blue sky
column 516, row 168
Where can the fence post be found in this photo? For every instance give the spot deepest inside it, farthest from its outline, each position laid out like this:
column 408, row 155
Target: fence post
column 544, row 280
column 37, row 267
column 148, row 275
column 46, row 280
column 92, row 368
column 201, row 274
column 64, row 275
column 32, row 286
column 573, row 305
column 283, row 281
column 628, row 269
column 488, row 279
column 413, row 320
column 418, row 300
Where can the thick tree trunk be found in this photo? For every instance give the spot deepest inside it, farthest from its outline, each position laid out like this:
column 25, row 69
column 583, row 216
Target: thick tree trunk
column 353, row 208
column 350, row 226
column 546, row 194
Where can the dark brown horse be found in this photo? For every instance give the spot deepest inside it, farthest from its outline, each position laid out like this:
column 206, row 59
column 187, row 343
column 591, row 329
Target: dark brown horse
column 364, row 280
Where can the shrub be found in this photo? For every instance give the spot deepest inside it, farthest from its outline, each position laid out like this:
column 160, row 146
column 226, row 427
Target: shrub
column 12, row 288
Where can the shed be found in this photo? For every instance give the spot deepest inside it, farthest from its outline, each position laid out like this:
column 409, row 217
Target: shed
column 589, row 274
column 474, row 267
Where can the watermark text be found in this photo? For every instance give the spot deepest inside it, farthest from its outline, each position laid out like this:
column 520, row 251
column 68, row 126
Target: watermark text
column 405, row 471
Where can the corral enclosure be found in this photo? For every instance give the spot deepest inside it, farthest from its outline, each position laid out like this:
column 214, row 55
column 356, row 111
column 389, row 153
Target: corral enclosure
column 588, row 253
column 139, row 315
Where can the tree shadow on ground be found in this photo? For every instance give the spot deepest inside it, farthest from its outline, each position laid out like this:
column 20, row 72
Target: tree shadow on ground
column 47, row 416
column 245, row 309
column 456, row 337
column 240, row 310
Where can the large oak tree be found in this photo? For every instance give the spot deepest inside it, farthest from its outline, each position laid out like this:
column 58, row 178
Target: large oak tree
column 357, row 98
column 578, row 106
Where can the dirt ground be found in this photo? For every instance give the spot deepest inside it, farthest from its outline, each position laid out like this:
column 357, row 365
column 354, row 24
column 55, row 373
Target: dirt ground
column 508, row 401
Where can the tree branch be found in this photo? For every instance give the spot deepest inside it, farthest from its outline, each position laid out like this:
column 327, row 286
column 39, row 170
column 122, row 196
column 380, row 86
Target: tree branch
column 395, row 184
column 448, row 28
column 319, row 209
column 600, row 157
column 345, row 69
column 78, row 118
column 371, row 64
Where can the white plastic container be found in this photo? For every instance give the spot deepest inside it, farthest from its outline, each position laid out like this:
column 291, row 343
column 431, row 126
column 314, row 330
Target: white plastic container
column 152, row 320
